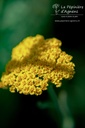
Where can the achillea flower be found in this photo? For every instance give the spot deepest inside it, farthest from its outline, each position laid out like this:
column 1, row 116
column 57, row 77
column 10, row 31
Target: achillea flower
column 34, row 62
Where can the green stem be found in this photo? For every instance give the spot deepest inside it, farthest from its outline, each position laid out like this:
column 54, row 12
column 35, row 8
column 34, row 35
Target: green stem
column 63, row 114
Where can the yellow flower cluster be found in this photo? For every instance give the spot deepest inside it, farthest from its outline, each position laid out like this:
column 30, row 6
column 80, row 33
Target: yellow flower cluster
column 34, row 62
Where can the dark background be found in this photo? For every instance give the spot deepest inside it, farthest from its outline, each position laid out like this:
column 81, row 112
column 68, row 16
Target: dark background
column 22, row 18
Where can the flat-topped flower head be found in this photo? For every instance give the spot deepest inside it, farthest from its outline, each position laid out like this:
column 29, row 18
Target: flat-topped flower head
column 34, row 63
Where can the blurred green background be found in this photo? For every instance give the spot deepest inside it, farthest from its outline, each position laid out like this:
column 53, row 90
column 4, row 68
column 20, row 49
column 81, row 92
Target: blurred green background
column 22, row 18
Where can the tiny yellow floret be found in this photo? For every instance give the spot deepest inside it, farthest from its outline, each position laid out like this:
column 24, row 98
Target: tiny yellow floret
column 34, row 63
